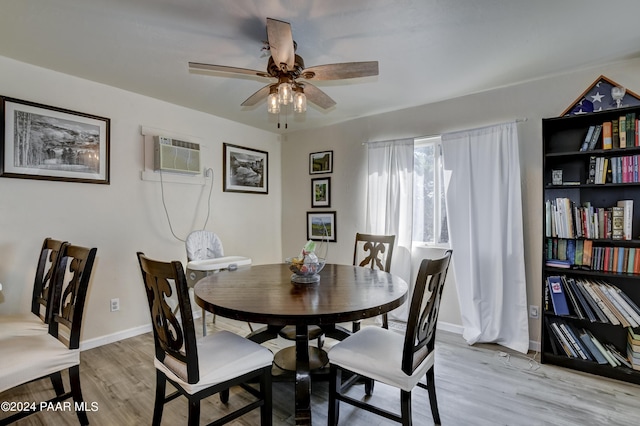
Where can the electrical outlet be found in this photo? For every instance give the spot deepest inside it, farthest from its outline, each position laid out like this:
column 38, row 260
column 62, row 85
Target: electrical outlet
column 533, row 311
column 115, row 305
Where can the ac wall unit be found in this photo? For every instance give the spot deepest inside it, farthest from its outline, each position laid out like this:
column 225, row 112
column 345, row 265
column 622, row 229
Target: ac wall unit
column 173, row 155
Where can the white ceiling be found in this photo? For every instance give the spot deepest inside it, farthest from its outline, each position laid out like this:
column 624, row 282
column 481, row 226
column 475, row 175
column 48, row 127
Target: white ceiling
column 428, row 50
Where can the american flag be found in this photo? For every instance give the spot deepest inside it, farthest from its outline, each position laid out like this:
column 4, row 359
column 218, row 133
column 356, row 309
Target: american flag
column 599, row 98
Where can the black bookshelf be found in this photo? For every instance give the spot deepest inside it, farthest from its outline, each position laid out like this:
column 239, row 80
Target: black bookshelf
column 562, row 140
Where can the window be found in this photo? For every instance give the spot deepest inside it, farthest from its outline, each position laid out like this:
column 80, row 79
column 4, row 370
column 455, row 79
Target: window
column 429, row 209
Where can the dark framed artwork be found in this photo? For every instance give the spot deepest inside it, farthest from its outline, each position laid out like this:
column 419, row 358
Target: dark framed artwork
column 321, row 192
column 245, row 169
column 49, row 143
column 320, row 162
column 321, row 226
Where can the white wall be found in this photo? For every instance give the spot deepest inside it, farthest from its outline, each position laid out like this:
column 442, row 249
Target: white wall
column 534, row 100
column 126, row 216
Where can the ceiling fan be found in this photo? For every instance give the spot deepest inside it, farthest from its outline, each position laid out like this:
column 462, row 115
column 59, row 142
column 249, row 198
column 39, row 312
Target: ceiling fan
column 289, row 71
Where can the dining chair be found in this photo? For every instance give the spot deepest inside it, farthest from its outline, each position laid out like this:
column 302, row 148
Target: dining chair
column 26, row 358
column 199, row 368
column 375, row 252
column 36, row 321
column 391, row 358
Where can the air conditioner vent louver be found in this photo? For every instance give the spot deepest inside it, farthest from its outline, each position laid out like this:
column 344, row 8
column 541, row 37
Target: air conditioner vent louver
column 173, row 155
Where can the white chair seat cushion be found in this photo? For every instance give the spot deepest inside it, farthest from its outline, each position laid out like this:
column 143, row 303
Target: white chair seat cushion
column 221, row 356
column 25, row 324
column 376, row 353
column 25, row 358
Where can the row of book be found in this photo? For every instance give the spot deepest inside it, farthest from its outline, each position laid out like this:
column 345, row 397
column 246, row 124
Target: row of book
column 581, row 343
column 592, row 300
column 582, row 254
column 566, row 219
column 633, row 348
column 604, row 170
column 619, row 133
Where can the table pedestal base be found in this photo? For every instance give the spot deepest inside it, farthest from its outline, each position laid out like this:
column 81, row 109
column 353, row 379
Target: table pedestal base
column 285, row 359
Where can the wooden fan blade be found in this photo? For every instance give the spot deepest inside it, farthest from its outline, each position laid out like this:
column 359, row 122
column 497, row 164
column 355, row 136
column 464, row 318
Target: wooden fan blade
column 341, row 71
column 221, row 68
column 317, row 96
column 281, row 43
column 258, row 96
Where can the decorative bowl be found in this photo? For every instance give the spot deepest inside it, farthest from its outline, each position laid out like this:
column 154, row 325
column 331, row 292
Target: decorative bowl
column 305, row 272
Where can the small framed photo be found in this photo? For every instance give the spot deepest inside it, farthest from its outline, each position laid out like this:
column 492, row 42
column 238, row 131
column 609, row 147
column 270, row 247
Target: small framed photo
column 321, row 226
column 556, row 177
column 50, row 143
column 245, row 169
column 321, row 192
column 321, row 162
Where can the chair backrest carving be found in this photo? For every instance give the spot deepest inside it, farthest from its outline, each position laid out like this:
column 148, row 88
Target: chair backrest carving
column 374, row 251
column 202, row 245
column 175, row 340
column 47, row 263
column 421, row 325
column 72, row 276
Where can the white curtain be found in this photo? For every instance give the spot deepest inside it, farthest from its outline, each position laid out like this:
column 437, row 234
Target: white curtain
column 390, row 204
column 484, row 213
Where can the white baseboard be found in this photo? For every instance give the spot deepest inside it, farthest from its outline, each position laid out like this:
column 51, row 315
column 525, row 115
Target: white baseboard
column 458, row 329
column 125, row 334
column 114, row 337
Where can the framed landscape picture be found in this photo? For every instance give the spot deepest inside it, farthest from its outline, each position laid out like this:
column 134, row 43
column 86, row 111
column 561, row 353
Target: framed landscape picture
column 321, row 226
column 321, row 162
column 321, row 192
column 49, row 143
column 245, row 169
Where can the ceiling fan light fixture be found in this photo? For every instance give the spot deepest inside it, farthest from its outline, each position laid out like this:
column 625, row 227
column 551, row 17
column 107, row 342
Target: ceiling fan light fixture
column 285, row 93
column 299, row 100
column 273, row 101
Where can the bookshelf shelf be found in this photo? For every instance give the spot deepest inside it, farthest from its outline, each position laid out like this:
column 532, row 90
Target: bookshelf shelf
column 592, row 229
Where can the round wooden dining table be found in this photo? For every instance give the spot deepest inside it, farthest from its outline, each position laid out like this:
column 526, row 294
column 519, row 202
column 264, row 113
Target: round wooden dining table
column 265, row 294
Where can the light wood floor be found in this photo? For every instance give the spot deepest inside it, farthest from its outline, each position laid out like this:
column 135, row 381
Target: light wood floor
column 478, row 385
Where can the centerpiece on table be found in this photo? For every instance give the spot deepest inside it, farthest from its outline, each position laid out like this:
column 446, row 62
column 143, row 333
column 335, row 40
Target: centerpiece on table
column 306, row 266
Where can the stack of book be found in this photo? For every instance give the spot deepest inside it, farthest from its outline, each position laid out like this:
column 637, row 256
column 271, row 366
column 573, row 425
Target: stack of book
column 580, row 343
column 565, row 219
column 596, row 301
column 619, row 133
column 633, row 348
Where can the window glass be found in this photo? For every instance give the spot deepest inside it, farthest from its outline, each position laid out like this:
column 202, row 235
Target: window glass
column 429, row 209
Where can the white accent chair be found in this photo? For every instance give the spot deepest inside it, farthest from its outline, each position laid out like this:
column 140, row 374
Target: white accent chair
column 205, row 256
column 389, row 357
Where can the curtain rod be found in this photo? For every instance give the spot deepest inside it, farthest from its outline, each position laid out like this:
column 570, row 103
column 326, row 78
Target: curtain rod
column 517, row 120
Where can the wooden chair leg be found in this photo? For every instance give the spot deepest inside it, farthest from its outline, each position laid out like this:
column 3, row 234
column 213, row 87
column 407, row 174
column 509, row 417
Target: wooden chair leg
column 431, row 387
column 194, row 413
column 76, row 393
column 405, row 407
column 266, row 416
column 335, row 383
column 56, row 381
column 161, row 386
column 224, row 396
